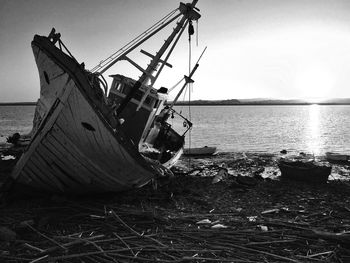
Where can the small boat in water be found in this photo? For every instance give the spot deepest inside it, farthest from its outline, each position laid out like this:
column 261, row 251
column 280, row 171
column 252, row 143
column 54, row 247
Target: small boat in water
column 337, row 157
column 200, row 151
column 88, row 137
column 306, row 171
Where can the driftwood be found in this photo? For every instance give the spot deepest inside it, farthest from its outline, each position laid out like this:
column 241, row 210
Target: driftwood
column 269, row 221
column 343, row 238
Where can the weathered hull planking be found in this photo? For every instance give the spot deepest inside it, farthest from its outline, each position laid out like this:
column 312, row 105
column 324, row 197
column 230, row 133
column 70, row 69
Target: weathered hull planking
column 74, row 150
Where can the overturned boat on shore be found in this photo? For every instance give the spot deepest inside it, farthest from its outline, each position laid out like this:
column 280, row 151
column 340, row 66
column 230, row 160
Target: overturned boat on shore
column 88, row 137
column 309, row 171
column 337, row 157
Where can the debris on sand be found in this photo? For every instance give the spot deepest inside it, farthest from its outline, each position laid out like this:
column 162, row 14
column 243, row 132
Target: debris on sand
column 187, row 219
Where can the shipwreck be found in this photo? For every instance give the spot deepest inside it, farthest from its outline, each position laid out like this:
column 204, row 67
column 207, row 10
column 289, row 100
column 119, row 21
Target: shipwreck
column 89, row 137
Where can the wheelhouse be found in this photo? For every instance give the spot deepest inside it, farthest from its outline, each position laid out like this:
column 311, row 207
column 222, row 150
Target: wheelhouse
column 138, row 116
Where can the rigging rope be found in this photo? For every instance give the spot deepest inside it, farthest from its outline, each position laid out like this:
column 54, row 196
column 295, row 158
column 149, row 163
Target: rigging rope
column 190, row 32
column 197, row 33
column 178, row 83
column 105, row 62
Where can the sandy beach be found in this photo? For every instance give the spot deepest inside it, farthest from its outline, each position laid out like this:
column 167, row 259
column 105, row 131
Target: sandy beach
column 99, row 114
column 231, row 207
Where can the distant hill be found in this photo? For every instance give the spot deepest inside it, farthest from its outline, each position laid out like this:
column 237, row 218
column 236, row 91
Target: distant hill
column 210, row 102
column 337, row 101
column 273, row 102
column 255, row 101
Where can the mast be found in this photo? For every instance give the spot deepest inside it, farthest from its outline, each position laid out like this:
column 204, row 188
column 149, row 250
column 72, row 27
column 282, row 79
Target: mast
column 188, row 12
column 188, row 79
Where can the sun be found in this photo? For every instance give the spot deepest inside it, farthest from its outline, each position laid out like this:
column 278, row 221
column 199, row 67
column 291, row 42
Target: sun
column 314, row 83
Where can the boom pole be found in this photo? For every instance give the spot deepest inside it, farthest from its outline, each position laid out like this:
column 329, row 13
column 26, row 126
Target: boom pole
column 188, row 14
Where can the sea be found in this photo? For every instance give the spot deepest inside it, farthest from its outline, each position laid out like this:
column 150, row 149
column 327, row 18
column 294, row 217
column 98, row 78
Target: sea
column 313, row 129
column 15, row 119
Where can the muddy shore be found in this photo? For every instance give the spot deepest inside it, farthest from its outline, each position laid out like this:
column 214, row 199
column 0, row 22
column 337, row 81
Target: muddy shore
column 231, row 207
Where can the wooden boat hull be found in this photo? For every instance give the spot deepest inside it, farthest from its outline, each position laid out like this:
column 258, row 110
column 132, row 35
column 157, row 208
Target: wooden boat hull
column 336, row 157
column 305, row 172
column 200, row 151
column 74, row 149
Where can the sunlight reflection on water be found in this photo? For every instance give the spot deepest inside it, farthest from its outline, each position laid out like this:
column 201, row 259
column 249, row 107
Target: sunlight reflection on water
column 313, row 129
column 314, row 138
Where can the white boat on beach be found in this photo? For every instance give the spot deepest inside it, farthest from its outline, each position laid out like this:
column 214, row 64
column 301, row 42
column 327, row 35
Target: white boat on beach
column 200, row 151
column 90, row 138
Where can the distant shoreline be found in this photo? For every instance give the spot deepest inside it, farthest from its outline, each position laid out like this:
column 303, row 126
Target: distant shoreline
column 214, row 103
column 270, row 104
column 255, row 104
column 262, row 101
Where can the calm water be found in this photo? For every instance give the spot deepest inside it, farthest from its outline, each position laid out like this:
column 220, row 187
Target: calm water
column 313, row 129
column 15, row 119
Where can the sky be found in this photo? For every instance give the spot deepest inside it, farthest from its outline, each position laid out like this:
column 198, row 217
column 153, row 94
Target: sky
column 290, row 49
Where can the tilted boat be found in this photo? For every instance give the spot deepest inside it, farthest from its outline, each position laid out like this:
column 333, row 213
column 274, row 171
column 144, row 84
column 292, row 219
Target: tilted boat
column 306, row 171
column 90, row 138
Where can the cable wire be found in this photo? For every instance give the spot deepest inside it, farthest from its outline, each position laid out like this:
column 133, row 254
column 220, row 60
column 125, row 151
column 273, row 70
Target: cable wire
column 105, row 62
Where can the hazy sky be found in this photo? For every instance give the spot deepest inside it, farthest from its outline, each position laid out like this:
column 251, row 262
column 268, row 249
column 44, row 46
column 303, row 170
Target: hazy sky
column 256, row 48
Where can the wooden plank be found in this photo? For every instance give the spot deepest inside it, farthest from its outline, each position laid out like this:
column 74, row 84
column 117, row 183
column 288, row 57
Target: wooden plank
column 34, row 181
column 73, row 161
column 45, row 174
column 45, row 171
column 99, row 152
column 45, row 126
column 84, row 113
column 81, row 164
column 74, row 130
column 65, row 121
column 101, row 173
column 49, row 91
column 45, row 63
column 88, row 181
column 58, row 173
column 87, row 141
column 48, row 184
column 101, row 133
column 59, row 161
column 134, row 171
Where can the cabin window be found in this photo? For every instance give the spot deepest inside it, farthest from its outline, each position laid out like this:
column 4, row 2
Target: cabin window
column 125, row 88
column 138, row 96
column 148, row 100
column 156, row 104
column 120, row 87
